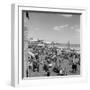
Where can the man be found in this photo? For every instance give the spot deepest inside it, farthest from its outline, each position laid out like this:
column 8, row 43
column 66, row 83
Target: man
column 74, row 67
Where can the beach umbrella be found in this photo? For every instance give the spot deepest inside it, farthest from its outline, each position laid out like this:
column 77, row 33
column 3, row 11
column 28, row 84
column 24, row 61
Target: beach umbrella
column 30, row 53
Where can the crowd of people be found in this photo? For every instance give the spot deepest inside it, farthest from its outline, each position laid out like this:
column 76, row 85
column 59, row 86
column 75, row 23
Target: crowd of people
column 51, row 61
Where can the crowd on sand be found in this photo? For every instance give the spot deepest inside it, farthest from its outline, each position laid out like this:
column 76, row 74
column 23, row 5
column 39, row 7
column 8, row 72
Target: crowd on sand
column 51, row 61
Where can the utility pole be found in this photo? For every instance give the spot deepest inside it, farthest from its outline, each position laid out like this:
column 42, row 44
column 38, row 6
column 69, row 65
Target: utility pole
column 68, row 45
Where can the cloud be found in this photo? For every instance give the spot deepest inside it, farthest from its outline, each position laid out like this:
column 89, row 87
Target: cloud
column 75, row 28
column 36, row 29
column 67, row 15
column 56, row 28
column 72, row 27
column 61, row 27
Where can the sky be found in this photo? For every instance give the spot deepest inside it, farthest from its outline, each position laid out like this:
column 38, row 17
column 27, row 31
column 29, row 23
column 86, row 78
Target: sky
column 57, row 27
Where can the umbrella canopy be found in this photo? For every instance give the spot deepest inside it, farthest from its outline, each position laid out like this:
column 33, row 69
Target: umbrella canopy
column 30, row 53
